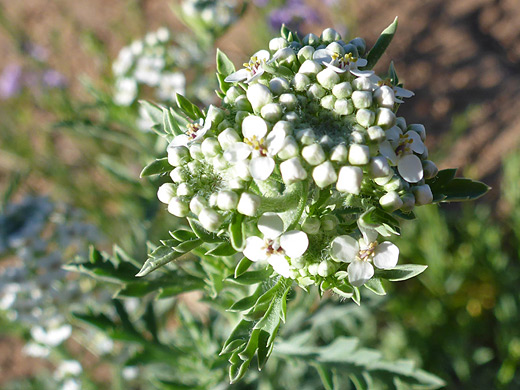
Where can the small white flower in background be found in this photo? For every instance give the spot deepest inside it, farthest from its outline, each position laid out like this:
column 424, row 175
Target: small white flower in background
column 124, row 62
column 126, row 92
column 170, row 85
column 52, row 336
column 148, row 70
column 276, row 246
column 252, row 70
column 361, row 254
column 71, row 384
column 68, row 368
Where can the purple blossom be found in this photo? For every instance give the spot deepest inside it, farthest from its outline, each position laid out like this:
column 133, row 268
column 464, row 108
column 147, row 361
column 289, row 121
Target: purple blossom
column 10, row 81
column 293, row 14
column 53, row 79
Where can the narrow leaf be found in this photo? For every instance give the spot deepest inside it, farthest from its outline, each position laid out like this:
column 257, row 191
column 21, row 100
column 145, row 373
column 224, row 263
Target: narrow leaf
column 401, row 272
column 157, row 167
column 381, row 45
column 190, row 109
column 158, row 258
column 224, row 65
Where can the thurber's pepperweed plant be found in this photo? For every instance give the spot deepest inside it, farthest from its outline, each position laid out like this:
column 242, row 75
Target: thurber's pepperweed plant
column 299, row 178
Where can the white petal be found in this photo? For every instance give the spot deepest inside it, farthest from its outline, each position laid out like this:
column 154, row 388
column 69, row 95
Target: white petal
column 275, row 141
column 271, row 225
column 344, row 248
column 417, row 145
column 262, row 55
column 322, row 56
column 410, row 168
column 388, row 151
column 238, row 152
column 361, row 73
column 294, row 243
column 239, row 75
column 386, row 255
column 369, row 235
column 359, row 272
column 253, row 77
column 254, row 126
column 401, row 92
column 335, row 68
column 361, row 62
column 180, row 140
column 279, row 264
column 261, row 167
column 255, row 249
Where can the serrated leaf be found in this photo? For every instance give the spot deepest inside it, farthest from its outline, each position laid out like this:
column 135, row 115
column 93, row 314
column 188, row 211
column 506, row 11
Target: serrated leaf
column 381, row 45
column 401, row 272
column 187, row 246
column 158, row 258
column 224, row 65
column 188, row 108
column 375, row 286
column 157, row 167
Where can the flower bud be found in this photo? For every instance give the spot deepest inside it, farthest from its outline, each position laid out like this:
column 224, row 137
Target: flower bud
column 259, row 95
column 194, row 167
column 227, row 200
column 305, row 53
column 339, row 153
column 385, row 118
column 358, row 154
column 408, row 202
column 330, row 35
column 376, row 134
column 276, row 44
column 178, row 155
column 197, row 203
column 312, row 269
column 184, row 190
column 379, row 167
column 335, row 47
column 214, row 116
column 362, row 84
column 210, row 147
column 326, row 268
column 311, row 225
column 298, row 263
column 344, row 107
column 430, row 169
column 306, row 136
column 362, row 99
column 228, row 138
column 209, row 219
column 290, row 149
column 395, row 184
column 365, row 118
column 423, row 194
column 316, row 91
column 224, row 125
column 179, row 174
column 236, row 183
column 328, row 78
column 324, row 174
column 311, row 39
column 219, row 162
column 285, row 56
column 166, row 192
column 233, row 93
column 291, row 116
column 242, row 103
column 239, row 118
column 178, row 207
column 292, row 171
column 313, row 154
column 329, row 222
column 360, row 44
column 342, row 90
column 381, row 181
column 196, row 151
column 271, row 112
column 357, row 137
column 419, row 129
column 328, row 102
column 248, row 204
column 385, row 96
column 349, row 180
column 350, row 48
column 310, row 67
column 278, row 85
column 391, row 201
column 301, row 81
column 289, row 100
column 401, row 123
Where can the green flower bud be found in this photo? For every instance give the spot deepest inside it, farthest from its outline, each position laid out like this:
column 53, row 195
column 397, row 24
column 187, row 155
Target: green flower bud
column 430, row 169
column 311, row 225
column 330, row 35
column 376, row 134
column 243, row 104
column 259, row 95
column 289, row 100
column 276, row 44
column 385, row 118
column 360, row 44
column 423, row 194
column 316, row 91
column 278, row 85
column 391, row 201
column 408, row 202
column 233, row 93
column 301, row 81
column 271, row 112
column 339, row 153
column 329, row 222
column 358, row 154
column 310, row 67
column 335, row 47
column 311, row 39
column 328, row 102
column 343, row 107
column 365, row 118
column 305, row 53
column 362, row 99
column 210, row 219
column 210, row 147
column 178, row 207
column 342, row 90
column 328, row 78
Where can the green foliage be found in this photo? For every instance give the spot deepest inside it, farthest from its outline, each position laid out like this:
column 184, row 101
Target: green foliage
column 381, row 45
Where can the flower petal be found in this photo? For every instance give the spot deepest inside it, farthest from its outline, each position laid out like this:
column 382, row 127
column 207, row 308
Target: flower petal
column 359, row 272
column 361, row 62
column 254, row 126
column 262, row 55
column 255, row 249
column 239, row 75
column 280, row 265
column 369, row 235
column 275, row 141
column 294, row 243
column 361, row 73
column 410, row 168
column 261, row 167
column 180, row 140
column 401, row 92
column 271, row 225
column 336, row 68
column 344, row 248
column 386, row 255
column 322, row 56
column 388, row 151
column 417, row 145
column 237, row 152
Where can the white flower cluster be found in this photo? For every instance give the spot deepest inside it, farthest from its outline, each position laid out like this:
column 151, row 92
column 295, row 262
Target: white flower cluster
column 36, row 292
column 214, row 16
column 303, row 116
column 149, row 62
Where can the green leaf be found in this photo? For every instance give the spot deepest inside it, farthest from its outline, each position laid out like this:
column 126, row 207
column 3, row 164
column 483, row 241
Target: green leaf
column 401, row 272
column 460, row 190
column 157, row 167
column 190, row 109
column 325, row 376
column 183, row 235
column 170, row 125
column 236, row 232
column 224, row 65
column 381, row 45
column 187, row 246
column 251, row 277
column 242, row 266
column 223, row 85
column 154, row 111
column 392, row 74
column 223, row 249
column 158, row 258
column 375, row 286
column 202, row 233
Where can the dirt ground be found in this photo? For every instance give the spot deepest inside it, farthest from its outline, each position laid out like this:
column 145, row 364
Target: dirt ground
column 459, row 57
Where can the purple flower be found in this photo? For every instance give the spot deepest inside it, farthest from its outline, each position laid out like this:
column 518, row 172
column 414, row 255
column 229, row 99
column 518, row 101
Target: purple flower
column 53, row 79
column 293, row 14
column 10, row 81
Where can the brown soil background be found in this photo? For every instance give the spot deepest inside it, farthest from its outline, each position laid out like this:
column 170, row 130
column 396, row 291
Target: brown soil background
column 459, row 57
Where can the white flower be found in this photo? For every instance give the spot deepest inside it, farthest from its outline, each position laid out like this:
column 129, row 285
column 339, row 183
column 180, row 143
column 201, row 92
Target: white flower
column 52, row 337
column 124, row 61
column 276, row 246
column 342, row 64
column 252, row 70
column 261, row 149
column 195, row 132
column 408, row 164
column 361, row 254
column 148, row 70
column 170, row 85
column 126, row 92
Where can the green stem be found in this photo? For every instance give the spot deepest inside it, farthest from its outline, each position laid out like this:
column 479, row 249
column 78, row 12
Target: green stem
column 284, row 202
